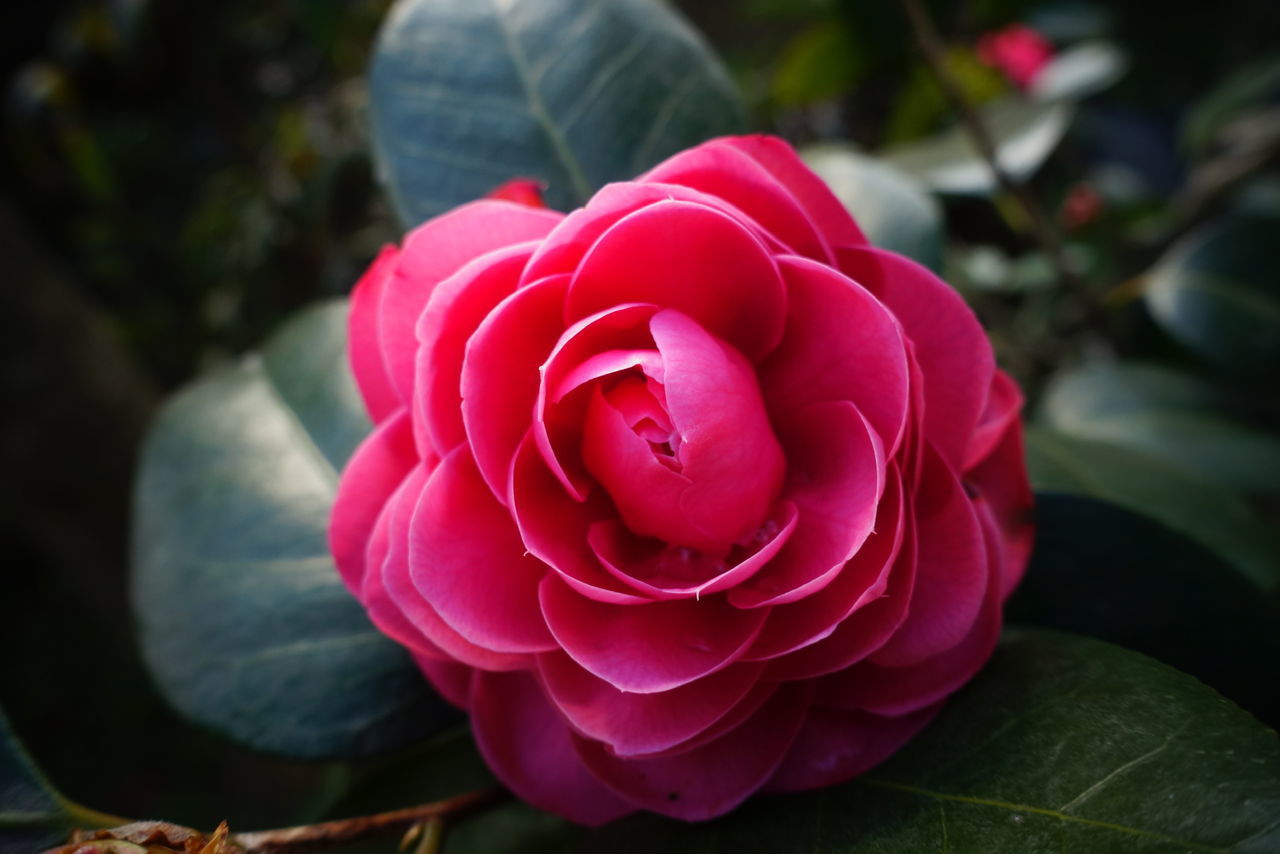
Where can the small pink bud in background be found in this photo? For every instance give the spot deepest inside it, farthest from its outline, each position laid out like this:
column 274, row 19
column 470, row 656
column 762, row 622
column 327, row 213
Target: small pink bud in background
column 522, row 191
column 1018, row 51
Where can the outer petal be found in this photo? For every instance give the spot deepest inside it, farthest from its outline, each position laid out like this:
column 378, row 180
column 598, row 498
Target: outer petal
column 530, row 749
column 397, row 606
column 950, row 346
column 836, row 745
column 1004, row 403
column 952, row 569
column 713, row 778
column 376, row 469
column 434, row 251
column 694, row 259
column 902, row 690
column 467, row 560
column 827, row 212
column 723, row 169
column 1004, row 494
column 642, row 723
column 457, row 307
column 821, row 359
column 648, row 648
column 363, row 347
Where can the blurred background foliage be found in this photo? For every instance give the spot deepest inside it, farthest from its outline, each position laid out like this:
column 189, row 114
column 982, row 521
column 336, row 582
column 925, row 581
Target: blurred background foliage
column 176, row 178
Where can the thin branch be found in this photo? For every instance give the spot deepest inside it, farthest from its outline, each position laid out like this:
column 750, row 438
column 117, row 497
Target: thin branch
column 1042, row 227
column 315, row 837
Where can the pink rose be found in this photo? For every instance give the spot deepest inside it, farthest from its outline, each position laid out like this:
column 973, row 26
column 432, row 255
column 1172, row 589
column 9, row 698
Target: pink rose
column 686, row 494
column 1018, row 51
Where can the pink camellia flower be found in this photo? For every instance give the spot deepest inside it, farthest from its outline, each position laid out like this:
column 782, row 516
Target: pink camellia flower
column 1018, row 51
column 686, row 494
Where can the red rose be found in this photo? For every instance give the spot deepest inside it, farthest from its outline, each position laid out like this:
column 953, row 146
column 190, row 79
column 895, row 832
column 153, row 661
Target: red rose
column 686, row 494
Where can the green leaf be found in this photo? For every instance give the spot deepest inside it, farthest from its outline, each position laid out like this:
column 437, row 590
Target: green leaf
column 1216, row 292
column 1179, row 498
column 33, row 815
column 1025, row 133
column 820, row 63
column 1252, row 87
column 1102, row 571
column 242, row 617
column 894, row 210
column 466, row 94
column 1080, row 71
column 1166, row 414
column 1061, row 744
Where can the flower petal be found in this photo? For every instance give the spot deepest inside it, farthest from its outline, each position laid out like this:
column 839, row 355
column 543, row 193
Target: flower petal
column 500, row 375
column 568, row 243
column 648, row 648
column 363, row 347
column 1000, row 481
column 723, row 169
column 952, row 566
column 694, row 259
column 861, row 583
column 434, row 251
column 467, row 560
column 662, row 571
column 375, row 470
column 826, row 211
column 835, row 478
column 713, row 778
column 530, row 749
column 836, row 745
column 554, row 527
column 820, row 359
column 456, row 308
column 642, row 723
column 950, row 346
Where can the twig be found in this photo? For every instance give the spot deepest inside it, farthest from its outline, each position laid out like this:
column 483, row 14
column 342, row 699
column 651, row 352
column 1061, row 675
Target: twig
column 314, row 837
column 1042, row 228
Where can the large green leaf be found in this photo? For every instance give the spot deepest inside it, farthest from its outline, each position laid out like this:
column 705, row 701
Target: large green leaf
column 1080, row 71
column 466, row 94
column 33, row 814
column 1167, row 414
column 1102, row 571
column 1217, row 292
column 894, row 211
column 1178, row 497
column 1061, row 744
column 1024, row 132
column 243, row 619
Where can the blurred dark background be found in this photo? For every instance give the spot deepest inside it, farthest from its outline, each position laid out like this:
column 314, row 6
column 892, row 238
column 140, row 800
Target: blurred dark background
column 175, row 178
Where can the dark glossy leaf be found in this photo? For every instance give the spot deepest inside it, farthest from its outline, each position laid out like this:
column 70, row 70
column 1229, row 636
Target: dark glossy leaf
column 466, row 94
column 894, row 211
column 32, row 814
column 1025, row 134
column 1251, row 87
column 243, row 619
column 1166, row 414
column 1178, row 497
column 1101, row 571
column 1216, row 291
column 1061, row 744
column 1080, row 71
